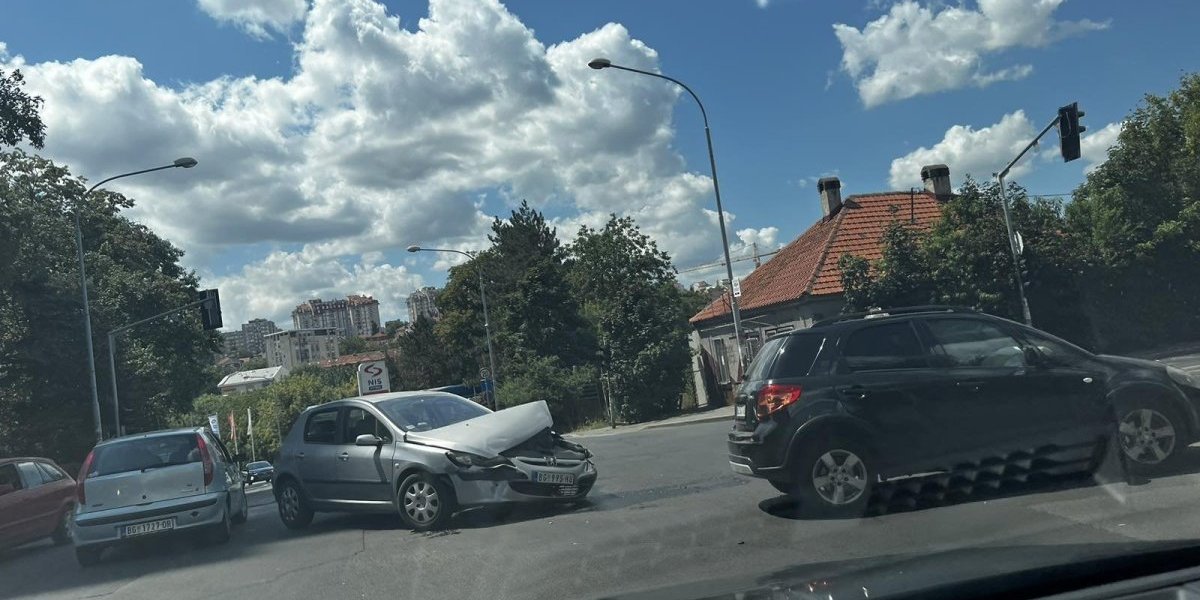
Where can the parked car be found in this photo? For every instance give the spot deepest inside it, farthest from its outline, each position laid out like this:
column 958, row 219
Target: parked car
column 424, row 454
column 173, row 481
column 825, row 412
column 36, row 499
column 259, row 471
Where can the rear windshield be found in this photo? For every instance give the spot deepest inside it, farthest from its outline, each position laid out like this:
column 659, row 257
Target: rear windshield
column 797, row 356
column 258, row 465
column 423, row 413
column 758, row 367
column 145, row 453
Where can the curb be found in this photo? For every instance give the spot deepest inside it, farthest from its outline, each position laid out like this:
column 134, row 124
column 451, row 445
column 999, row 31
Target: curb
column 704, row 419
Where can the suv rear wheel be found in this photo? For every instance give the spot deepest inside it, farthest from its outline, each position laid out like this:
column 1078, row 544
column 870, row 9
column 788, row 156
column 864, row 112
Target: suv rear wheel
column 833, row 476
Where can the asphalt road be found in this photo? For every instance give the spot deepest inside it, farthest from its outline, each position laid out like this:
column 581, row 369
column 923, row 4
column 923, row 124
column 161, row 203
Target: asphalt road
column 666, row 509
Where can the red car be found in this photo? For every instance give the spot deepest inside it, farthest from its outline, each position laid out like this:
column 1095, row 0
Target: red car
column 36, row 500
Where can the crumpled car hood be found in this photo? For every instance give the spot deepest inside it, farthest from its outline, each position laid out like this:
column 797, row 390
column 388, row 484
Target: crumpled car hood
column 489, row 435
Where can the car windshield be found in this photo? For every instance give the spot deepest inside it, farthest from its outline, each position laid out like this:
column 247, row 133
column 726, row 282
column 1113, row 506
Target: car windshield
column 140, row 454
column 595, row 299
column 424, row 413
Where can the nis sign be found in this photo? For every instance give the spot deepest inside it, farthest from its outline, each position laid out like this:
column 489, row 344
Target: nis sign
column 373, row 378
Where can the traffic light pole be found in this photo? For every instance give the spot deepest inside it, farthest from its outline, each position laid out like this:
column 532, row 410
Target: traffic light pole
column 112, row 356
column 1012, row 239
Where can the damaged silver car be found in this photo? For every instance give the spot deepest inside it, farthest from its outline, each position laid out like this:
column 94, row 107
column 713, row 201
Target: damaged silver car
column 424, row 455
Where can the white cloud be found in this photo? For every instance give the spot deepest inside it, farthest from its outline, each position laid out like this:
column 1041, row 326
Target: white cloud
column 380, row 138
column 1094, row 146
column 967, row 151
column 274, row 286
column 762, row 3
column 257, row 17
column 913, row 50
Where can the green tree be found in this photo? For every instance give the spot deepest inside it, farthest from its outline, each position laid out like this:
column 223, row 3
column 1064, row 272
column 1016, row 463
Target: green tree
column 352, row 345
column 1137, row 221
column 19, row 118
column 424, row 360
column 629, row 293
column 533, row 311
column 44, row 397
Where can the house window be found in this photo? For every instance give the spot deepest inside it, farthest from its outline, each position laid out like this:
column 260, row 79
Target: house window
column 753, row 345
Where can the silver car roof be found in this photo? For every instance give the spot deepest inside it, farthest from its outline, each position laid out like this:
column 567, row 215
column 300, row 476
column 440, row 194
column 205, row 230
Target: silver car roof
column 151, row 434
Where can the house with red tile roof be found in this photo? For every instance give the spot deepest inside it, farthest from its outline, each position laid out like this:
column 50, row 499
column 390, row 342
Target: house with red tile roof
column 802, row 284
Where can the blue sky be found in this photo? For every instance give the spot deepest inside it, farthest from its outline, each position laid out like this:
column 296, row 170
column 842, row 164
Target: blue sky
column 321, row 157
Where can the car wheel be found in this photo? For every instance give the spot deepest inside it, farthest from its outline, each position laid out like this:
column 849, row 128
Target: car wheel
column 62, row 533
column 293, row 508
column 1151, row 434
column 424, row 502
column 221, row 532
column 88, row 555
column 240, row 516
column 834, row 476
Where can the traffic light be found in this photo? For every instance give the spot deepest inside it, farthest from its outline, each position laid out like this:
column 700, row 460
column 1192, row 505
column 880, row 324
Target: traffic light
column 1069, row 130
column 210, row 309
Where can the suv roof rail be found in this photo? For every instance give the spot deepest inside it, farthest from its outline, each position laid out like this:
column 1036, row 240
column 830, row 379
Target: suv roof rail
column 899, row 310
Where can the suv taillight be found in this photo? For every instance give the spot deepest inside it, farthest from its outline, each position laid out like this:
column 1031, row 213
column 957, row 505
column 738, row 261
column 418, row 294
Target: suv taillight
column 80, row 495
column 205, row 458
column 775, row 397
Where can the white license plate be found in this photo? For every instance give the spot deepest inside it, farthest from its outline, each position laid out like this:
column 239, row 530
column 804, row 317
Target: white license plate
column 739, row 411
column 563, row 478
column 151, row 527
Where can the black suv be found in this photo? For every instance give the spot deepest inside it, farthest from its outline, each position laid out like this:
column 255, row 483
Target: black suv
column 825, row 412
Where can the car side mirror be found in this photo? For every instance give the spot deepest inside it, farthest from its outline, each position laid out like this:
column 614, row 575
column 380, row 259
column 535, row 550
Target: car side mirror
column 1032, row 357
column 367, row 439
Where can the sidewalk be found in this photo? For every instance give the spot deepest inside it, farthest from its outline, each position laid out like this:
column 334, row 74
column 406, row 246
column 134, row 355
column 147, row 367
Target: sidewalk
column 724, row 413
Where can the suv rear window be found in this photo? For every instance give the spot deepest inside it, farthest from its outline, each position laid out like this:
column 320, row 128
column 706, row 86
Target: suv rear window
column 796, row 358
column 145, row 453
column 758, row 367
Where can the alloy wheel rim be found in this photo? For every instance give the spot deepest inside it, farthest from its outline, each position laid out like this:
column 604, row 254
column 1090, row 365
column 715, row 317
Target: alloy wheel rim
column 422, row 502
column 290, row 507
column 1147, row 436
column 839, row 477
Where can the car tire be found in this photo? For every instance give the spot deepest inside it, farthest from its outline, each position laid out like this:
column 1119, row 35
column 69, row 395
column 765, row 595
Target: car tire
column 834, row 476
column 425, row 504
column 88, row 556
column 240, row 516
column 221, row 532
column 1151, row 433
column 62, row 533
column 293, row 506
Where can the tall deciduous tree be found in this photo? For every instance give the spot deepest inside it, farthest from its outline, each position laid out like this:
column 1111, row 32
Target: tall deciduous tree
column 19, row 118
column 161, row 367
column 629, row 293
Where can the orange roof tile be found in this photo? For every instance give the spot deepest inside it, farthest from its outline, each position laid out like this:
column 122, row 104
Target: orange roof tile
column 809, row 264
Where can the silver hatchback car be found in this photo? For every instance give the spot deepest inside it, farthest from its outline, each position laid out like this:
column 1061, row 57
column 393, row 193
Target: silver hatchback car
column 424, row 455
column 155, row 483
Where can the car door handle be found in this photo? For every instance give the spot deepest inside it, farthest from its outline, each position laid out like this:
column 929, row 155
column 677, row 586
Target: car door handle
column 1087, row 379
column 344, row 456
column 299, row 455
column 854, row 392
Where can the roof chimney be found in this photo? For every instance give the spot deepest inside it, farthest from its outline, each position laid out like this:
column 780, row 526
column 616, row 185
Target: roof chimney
column 937, row 181
column 830, row 189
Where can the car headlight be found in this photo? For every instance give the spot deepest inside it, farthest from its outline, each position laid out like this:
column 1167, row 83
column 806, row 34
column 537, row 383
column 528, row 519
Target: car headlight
column 1183, row 377
column 466, row 459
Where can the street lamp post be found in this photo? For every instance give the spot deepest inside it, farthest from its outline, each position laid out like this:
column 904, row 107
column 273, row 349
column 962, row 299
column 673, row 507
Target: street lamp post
column 487, row 323
column 185, row 163
column 604, row 63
